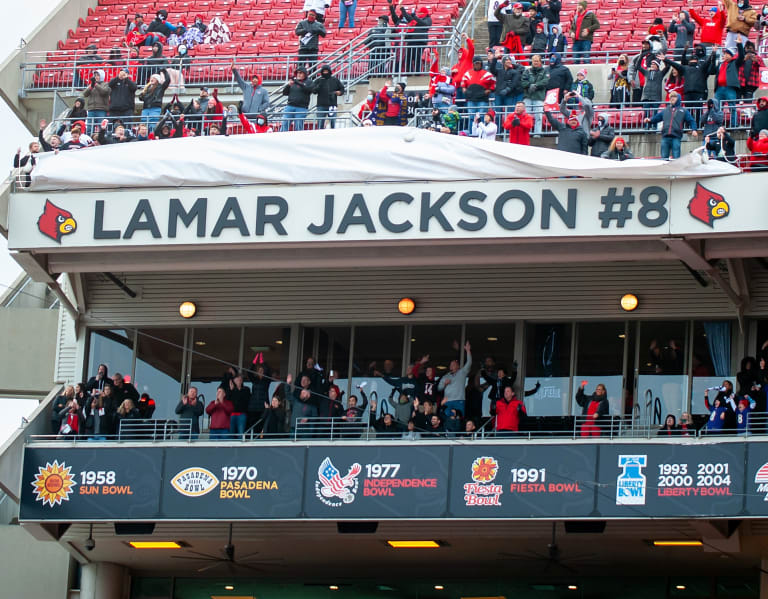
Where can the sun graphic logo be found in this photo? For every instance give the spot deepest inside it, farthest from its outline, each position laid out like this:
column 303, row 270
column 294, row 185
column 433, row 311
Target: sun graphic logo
column 484, row 469
column 53, row 483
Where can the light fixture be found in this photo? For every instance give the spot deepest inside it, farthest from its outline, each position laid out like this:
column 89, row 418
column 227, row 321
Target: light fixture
column 229, row 587
column 200, row 343
column 333, row 587
column 493, row 338
column 278, row 341
column 628, row 302
column 154, row 544
column 414, row 544
column 674, row 543
column 187, row 309
column 622, row 336
column 406, row 306
column 441, row 367
column 680, row 587
column 439, row 587
column 573, row 587
column 413, row 339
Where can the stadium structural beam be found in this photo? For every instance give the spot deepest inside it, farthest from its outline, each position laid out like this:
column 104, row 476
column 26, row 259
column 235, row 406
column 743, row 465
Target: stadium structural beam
column 39, row 274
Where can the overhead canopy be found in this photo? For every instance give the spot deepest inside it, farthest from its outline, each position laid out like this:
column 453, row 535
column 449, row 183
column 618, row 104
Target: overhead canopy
column 337, row 156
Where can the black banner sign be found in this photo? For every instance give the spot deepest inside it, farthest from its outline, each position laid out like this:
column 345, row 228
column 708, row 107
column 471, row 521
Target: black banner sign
column 526, row 480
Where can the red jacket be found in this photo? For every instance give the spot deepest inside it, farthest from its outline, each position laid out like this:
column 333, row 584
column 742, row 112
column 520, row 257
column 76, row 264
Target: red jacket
column 519, row 134
column 508, row 414
column 711, row 29
column 219, row 413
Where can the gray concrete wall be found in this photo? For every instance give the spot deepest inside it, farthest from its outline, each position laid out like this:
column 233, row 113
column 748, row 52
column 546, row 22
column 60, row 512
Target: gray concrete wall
column 31, row 568
column 28, row 356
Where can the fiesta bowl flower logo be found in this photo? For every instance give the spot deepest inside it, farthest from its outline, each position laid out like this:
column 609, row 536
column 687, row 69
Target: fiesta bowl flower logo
column 484, row 469
column 53, row 483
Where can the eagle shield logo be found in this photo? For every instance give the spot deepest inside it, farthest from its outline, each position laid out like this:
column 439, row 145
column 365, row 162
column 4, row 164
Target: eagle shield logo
column 56, row 222
column 707, row 206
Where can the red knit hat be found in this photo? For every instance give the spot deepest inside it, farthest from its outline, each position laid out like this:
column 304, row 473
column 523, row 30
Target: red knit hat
column 621, row 139
column 491, row 113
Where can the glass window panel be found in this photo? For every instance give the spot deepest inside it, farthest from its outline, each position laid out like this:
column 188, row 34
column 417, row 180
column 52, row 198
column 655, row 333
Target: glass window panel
column 548, row 350
column 440, row 341
column 662, row 347
column 159, row 356
column 214, row 350
column 380, row 348
column 493, row 347
column 600, row 348
column 113, row 347
column 333, row 353
column 710, row 357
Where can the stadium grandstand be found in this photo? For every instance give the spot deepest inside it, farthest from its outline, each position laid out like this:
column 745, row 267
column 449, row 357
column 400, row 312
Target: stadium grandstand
column 464, row 300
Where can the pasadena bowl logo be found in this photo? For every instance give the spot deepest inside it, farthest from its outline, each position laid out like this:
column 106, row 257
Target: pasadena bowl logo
column 707, row 206
column 56, row 222
column 53, row 483
column 333, row 489
column 481, row 491
column 194, row 482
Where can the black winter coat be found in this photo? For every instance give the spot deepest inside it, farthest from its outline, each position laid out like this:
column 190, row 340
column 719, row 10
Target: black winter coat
column 298, row 93
column 569, row 139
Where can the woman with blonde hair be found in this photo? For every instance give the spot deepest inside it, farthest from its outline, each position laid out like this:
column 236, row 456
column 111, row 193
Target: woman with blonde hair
column 152, row 96
column 621, row 92
column 617, row 150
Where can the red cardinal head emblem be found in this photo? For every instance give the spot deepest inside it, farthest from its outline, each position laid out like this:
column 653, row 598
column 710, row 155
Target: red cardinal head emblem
column 55, row 222
column 707, row 206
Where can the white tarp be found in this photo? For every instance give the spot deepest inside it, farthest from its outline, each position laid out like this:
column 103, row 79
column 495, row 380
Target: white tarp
column 336, row 156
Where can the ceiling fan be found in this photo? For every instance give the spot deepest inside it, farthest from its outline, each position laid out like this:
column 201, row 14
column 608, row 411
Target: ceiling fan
column 552, row 558
column 227, row 558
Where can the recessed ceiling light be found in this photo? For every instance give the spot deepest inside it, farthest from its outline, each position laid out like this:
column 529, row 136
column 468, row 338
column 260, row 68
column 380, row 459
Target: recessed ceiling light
column 414, row 544
column 154, row 545
column 622, row 336
column 200, row 343
column 229, row 587
column 439, row 587
column 413, row 339
column 673, row 543
column 573, row 587
column 441, row 367
column 279, row 341
column 333, row 587
column 680, row 587
column 493, row 338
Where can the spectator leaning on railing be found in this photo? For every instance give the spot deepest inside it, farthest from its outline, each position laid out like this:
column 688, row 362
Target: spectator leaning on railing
column 122, row 99
column 97, row 98
column 519, row 124
column 675, row 118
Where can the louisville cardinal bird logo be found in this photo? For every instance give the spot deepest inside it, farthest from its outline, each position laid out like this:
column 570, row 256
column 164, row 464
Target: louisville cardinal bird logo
column 56, row 222
column 707, row 206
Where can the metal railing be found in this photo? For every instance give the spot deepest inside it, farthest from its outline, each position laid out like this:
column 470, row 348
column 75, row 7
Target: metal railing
column 130, row 431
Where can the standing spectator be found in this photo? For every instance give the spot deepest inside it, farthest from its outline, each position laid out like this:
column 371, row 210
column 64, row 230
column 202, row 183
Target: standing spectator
column 674, row 82
column 683, row 29
column 240, row 396
column 220, row 411
column 191, row 408
column 540, row 40
column 274, row 418
column 720, row 146
column 444, row 91
column 319, row 6
column 636, row 79
column 534, row 82
column 593, row 407
column 259, row 391
column 77, row 140
column 758, row 145
column 601, row 136
column 712, row 118
column 516, row 22
column 328, row 89
column 122, row 99
column 25, row 164
column 97, row 98
column 303, row 403
column 582, row 86
column 657, row 29
column 617, row 150
column 347, row 13
column 154, row 63
column 494, row 25
column 377, row 43
column 583, row 29
column 718, row 408
column 118, row 135
column 675, row 118
column 670, row 428
column 126, row 411
column 159, row 29
column 550, row 11
column 741, row 17
column 557, row 42
column 146, row 406
column 299, row 92
column 255, row 96
column 749, row 73
column 72, row 420
column 391, row 106
column 653, row 88
column 97, row 420
column 509, row 89
column 152, row 96
column 123, row 390
column 619, row 78
column 712, row 25
column 560, row 77
column 534, row 20
column 510, row 412
column 487, row 128
column 309, row 32
column 453, row 383
column 582, row 107
column 366, row 109
column 519, row 124
column 760, row 120
column 727, row 86
column 59, row 403
column 477, row 84
column 417, row 35
column 451, row 121
column 695, row 72
column 571, row 136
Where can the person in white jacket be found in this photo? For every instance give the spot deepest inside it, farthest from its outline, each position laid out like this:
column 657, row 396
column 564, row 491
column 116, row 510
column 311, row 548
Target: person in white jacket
column 485, row 129
column 319, row 6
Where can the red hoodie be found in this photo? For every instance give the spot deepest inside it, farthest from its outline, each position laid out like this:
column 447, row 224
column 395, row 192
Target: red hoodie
column 508, row 414
column 759, row 149
column 711, row 29
column 521, row 133
column 466, row 56
column 249, row 127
